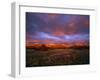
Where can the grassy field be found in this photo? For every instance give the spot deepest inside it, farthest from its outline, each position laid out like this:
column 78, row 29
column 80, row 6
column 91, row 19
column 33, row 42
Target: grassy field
column 54, row 57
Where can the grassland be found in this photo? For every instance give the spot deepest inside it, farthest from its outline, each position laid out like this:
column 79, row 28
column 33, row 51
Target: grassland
column 54, row 57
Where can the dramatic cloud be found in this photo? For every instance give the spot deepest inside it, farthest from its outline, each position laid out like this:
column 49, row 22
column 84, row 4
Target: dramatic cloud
column 56, row 28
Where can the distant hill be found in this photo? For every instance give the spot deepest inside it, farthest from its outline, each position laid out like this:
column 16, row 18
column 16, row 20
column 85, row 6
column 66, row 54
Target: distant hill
column 57, row 46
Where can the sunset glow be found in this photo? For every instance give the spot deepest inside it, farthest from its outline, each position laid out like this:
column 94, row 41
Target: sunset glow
column 43, row 28
column 57, row 39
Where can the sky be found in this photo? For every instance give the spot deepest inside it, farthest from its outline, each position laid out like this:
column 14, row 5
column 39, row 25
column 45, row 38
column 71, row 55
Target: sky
column 56, row 28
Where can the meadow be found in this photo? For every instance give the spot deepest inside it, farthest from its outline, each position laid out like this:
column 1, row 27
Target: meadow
column 55, row 57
